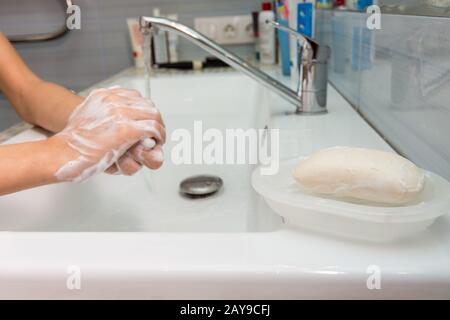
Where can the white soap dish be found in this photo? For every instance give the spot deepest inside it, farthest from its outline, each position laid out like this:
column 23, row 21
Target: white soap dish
column 351, row 218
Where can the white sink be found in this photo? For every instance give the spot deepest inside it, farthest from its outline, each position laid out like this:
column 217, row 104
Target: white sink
column 150, row 201
column 136, row 237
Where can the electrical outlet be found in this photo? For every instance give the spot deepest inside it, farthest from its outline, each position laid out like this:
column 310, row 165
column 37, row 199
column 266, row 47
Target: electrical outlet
column 226, row 29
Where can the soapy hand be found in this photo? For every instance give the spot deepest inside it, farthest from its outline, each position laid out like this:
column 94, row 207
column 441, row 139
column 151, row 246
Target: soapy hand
column 114, row 130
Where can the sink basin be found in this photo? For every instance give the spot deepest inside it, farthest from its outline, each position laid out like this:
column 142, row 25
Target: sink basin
column 150, row 201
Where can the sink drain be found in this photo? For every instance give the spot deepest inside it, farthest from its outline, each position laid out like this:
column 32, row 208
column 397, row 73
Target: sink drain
column 200, row 186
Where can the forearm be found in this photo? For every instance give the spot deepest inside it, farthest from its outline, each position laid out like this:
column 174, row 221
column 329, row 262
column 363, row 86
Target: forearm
column 31, row 164
column 106, row 133
column 47, row 105
column 42, row 103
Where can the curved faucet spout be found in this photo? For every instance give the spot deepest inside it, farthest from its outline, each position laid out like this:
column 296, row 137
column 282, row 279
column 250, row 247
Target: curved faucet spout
column 146, row 23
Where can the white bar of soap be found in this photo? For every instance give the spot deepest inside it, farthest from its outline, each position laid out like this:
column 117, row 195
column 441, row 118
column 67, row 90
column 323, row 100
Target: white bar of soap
column 362, row 174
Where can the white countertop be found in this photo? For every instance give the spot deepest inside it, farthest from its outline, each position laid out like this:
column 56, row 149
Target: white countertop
column 279, row 264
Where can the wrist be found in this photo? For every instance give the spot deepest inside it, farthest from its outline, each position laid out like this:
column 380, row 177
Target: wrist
column 58, row 153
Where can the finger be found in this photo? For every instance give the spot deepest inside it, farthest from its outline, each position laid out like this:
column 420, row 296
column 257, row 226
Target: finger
column 131, row 103
column 143, row 104
column 127, row 165
column 151, row 129
column 125, row 92
column 152, row 159
column 148, row 143
column 115, row 91
column 109, row 96
column 97, row 91
column 112, row 169
column 138, row 113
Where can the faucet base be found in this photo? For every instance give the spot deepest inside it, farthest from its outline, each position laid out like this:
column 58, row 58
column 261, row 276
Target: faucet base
column 306, row 113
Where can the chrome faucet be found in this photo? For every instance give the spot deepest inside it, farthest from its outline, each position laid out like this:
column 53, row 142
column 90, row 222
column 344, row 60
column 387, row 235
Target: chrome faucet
column 310, row 96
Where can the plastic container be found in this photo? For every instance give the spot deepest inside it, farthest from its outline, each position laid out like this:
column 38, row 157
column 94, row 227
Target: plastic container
column 351, row 218
column 267, row 50
column 284, row 49
column 137, row 41
column 324, row 4
column 301, row 18
column 283, row 38
column 160, row 42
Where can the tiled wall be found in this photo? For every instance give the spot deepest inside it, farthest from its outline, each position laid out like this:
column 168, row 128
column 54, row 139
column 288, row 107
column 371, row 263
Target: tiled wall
column 398, row 77
column 101, row 48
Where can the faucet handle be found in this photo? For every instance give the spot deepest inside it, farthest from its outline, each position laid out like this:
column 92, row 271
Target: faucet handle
column 301, row 38
column 291, row 31
column 319, row 52
column 311, row 76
